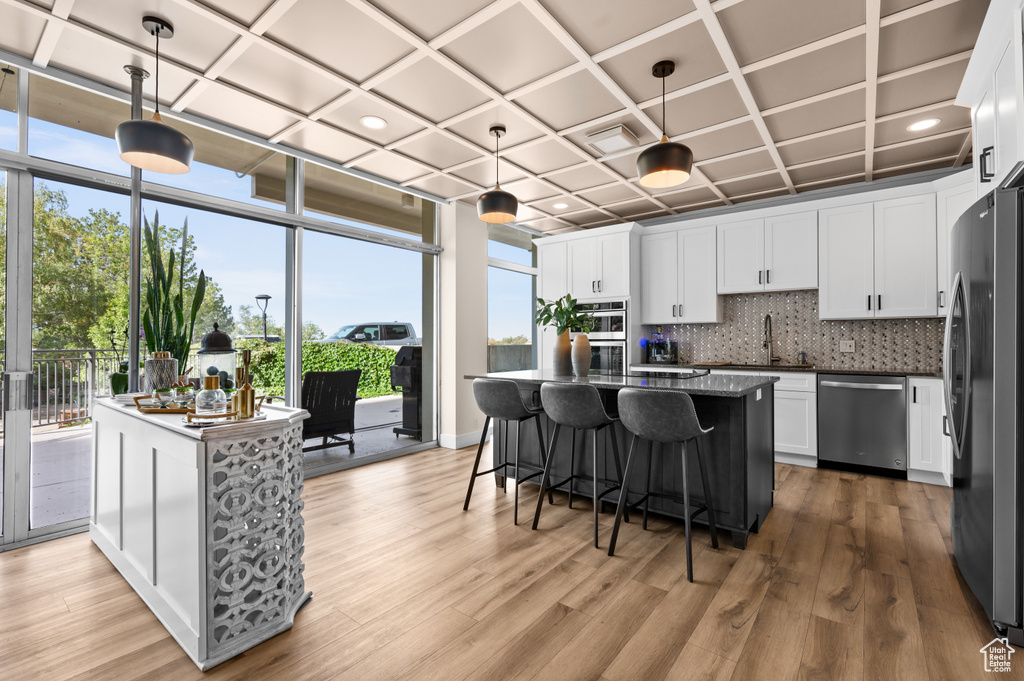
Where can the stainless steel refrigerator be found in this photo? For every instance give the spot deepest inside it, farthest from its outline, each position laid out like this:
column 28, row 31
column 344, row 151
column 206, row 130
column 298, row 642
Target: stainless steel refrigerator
column 982, row 375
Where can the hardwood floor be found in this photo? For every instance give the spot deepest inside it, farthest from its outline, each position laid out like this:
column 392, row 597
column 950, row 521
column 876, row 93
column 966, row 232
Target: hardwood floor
column 850, row 578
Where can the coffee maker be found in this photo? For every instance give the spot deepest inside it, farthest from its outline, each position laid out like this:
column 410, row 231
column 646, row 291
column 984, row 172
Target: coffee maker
column 661, row 350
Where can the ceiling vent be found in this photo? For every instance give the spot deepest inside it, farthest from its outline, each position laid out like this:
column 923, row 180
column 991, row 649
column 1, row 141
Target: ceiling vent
column 613, row 139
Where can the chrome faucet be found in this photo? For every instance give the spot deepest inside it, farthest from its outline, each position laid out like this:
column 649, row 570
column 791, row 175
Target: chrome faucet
column 767, row 344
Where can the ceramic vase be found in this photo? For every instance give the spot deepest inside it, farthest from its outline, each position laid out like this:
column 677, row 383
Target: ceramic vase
column 581, row 355
column 563, row 355
column 161, row 372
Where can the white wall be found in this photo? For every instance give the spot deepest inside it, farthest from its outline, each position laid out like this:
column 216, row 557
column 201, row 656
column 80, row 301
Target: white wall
column 463, row 315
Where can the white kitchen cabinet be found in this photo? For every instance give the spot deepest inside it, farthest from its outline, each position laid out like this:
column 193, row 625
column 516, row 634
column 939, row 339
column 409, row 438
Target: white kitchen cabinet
column 553, row 271
column 950, row 204
column 741, row 257
column 796, row 415
column 777, row 253
column 598, row 267
column 878, row 260
column 846, row 262
column 926, row 449
column 791, row 252
column 678, row 277
column 904, row 241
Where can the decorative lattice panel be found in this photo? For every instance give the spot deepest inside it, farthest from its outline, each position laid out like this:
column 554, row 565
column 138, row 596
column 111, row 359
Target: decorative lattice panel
column 256, row 537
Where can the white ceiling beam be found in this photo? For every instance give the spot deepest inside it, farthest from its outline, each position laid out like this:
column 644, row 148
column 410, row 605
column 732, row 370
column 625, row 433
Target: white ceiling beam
column 843, row 178
column 270, row 16
column 544, row 81
column 51, row 32
column 908, row 166
column 916, row 10
column 965, row 150
column 907, row 113
column 467, row 114
column 874, row 17
column 721, row 43
column 479, row 17
column 929, row 138
column 824, row 133
column 647, row 36
column 927, row 66
column 803, row 50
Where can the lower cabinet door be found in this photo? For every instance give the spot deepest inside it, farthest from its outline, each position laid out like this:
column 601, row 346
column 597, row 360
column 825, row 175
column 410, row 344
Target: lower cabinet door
column 796, row 423
column 925, row 447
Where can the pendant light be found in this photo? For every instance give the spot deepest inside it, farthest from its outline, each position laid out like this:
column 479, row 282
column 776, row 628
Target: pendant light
column 497, row 205
column 154, row 145
column 665, row 164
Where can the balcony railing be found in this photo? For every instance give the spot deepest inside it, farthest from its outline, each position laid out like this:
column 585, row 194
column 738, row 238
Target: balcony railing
column 65, row 381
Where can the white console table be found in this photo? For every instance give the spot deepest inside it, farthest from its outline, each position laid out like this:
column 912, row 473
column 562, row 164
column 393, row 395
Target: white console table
column 205, row 524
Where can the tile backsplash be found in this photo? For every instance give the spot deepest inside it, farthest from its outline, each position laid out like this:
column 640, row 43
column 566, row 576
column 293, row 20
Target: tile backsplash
column 913, row 345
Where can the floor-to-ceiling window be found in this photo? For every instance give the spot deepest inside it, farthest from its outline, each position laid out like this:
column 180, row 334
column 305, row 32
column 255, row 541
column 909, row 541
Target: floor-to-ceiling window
column 511, row 294
column 371, row 250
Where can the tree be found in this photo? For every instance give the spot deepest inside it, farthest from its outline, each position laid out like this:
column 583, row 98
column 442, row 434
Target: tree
column 251, row 324
column 510, row 340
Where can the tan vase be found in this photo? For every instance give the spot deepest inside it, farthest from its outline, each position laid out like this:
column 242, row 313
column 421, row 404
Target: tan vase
column 563, row 355
column 581, row 355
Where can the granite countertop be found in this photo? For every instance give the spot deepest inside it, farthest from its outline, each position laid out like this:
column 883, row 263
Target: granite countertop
column 710, row 385
column 807, row 368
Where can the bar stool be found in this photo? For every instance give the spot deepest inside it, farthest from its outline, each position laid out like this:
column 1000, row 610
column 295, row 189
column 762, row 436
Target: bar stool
column 576, row 406
column 499, row 399
column 667, row 417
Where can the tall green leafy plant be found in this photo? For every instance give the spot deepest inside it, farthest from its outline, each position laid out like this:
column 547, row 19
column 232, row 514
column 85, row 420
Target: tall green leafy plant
column 562, row 314
column 163, row 318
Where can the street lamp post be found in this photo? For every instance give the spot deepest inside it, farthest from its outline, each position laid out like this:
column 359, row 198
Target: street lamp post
column 262, row 300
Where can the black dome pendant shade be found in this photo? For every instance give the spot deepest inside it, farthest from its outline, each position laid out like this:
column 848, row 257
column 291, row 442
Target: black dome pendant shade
column 665, row 164
column 497, row 205
column 153, row 145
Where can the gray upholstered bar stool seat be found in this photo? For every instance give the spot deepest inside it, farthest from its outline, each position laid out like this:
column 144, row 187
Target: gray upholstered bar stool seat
column 667, row 417
column 577, row 406
column 499, row 399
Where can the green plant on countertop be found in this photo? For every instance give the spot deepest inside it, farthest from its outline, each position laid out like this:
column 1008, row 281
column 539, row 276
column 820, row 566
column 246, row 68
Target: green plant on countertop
column 163, row 319
column 562, row 314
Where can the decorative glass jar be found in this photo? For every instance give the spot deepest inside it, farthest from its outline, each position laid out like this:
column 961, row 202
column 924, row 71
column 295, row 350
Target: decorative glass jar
column 211, row 399
column 217, row 357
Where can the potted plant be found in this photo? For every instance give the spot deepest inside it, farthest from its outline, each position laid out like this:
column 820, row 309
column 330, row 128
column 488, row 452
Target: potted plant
column 562, row 314
column 119, row 378
column 163, row 320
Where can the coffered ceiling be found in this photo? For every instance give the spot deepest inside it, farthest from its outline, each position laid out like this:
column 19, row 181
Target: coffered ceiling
column 774, row 96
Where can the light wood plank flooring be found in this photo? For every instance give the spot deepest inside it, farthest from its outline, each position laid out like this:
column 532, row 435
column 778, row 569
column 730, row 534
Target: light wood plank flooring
column 850, row 578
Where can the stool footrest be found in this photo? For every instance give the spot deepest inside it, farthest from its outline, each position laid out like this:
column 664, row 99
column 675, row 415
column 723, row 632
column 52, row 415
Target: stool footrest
column 503, row 466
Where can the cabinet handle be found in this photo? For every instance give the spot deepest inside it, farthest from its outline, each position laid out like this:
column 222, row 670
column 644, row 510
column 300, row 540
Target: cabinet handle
column 869, row 303
column 879, row 302
column 945, row 425
column 673, row 310
column 942, row 299
column 986, row 154
column 767, row 276
column 914, row 398
column 593, row 286
column 600, row 285
column 759, row 276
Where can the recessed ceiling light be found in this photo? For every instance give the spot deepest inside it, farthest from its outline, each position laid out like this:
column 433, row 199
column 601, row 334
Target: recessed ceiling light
column 923, row 125
column 560, row 206
column 373, row 122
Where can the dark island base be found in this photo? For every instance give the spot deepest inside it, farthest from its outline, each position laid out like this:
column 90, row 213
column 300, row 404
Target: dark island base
column 739, row 452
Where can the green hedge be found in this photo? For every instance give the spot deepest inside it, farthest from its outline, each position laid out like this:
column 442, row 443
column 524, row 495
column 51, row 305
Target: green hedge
column 375, row 361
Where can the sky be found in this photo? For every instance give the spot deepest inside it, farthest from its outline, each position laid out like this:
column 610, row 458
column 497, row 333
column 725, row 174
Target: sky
column 345, row 281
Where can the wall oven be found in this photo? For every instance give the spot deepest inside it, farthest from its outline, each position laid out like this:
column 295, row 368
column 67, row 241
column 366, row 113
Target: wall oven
column 610, row 319
column 608, row 339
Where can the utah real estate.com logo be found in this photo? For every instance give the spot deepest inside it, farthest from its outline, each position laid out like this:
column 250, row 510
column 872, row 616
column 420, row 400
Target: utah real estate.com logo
column 997, row 654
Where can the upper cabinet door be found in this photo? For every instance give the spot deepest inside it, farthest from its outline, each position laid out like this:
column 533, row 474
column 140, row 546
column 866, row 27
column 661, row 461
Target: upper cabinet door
column 791, row 252
column 552, row 265
column 658, row 272
column 613, row 265
column 741, row 257
column 846, row 262
column 1005, row 100
column 905, row 279
column 697, row 300
column 984, row 143
column 950, row 204
column 582, row 259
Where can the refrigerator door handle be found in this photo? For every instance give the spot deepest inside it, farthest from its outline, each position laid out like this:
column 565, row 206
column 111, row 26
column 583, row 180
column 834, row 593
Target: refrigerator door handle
column 956, row 430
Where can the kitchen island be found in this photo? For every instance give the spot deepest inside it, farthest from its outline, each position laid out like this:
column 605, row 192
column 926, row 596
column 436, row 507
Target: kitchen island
column 739, row 451
column 205, row 524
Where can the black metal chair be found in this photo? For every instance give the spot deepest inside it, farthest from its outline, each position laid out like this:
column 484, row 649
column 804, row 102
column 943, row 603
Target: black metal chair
column 499, row 400
column 330, row 398
column 667, row 417
column 577, row 406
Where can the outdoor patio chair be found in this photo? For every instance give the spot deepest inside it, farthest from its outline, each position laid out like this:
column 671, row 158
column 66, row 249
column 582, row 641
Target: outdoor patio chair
column 330, row 398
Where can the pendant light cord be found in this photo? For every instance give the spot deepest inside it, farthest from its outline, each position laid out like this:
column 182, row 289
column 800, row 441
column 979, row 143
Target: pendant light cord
column 156, row 99
column 663, row 120
column 497, row 139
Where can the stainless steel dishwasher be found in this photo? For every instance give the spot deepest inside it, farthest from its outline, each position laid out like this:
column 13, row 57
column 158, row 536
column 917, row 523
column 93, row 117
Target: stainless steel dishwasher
column 863, row 420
